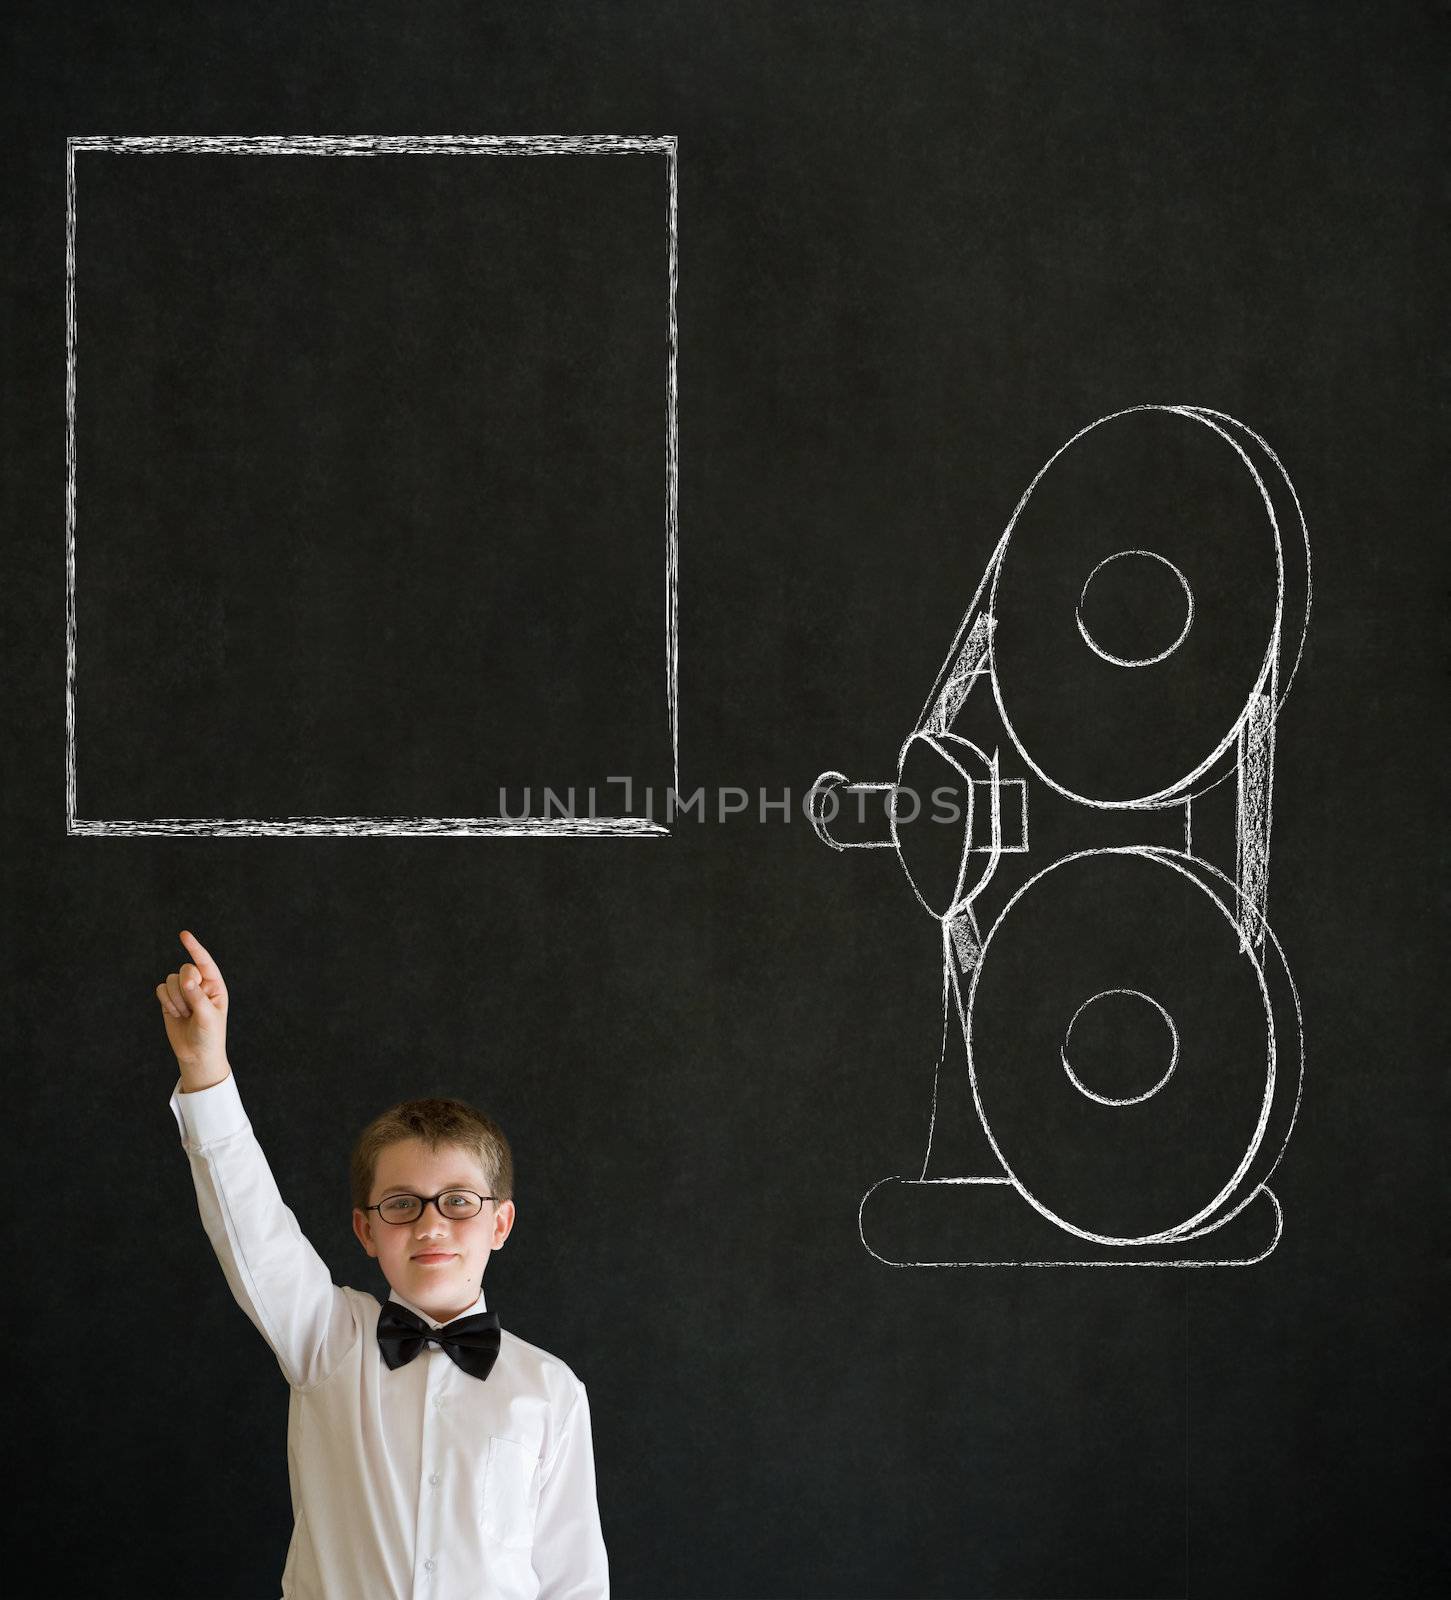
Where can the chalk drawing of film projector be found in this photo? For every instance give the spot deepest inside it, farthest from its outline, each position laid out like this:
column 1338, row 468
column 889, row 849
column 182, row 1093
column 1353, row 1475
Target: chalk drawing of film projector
column 1084, row 806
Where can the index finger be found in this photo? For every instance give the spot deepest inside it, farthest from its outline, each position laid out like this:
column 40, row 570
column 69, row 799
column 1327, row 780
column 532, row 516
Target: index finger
column 205, row 964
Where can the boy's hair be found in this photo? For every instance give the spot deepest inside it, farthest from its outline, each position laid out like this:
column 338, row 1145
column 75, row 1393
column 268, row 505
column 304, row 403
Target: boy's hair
column 435, row 1122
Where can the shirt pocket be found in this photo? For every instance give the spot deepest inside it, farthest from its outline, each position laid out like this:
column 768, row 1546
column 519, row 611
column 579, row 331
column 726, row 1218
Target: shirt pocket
column 511, row 1493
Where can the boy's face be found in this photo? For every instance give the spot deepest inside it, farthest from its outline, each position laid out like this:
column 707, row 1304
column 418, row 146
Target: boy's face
column 437, row 1263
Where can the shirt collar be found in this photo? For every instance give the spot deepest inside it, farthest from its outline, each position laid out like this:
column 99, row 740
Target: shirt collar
column 433, row 1322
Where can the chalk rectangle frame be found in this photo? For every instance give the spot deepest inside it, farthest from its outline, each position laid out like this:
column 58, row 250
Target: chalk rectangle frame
column 373, row 145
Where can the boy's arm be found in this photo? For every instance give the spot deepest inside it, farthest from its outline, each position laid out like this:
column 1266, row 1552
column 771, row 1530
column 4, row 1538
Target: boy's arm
column 274, row 1274
column 569, row 1547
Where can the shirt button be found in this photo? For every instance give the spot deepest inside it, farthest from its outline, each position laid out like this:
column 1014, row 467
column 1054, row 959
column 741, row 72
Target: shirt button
column 433, row 1477
column 429, row 1565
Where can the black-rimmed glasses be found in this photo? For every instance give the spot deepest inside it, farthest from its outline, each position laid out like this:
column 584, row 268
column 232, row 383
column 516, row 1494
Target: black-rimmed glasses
column 454, row 1204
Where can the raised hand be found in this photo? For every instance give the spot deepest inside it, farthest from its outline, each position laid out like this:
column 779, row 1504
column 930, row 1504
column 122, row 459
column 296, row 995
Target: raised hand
column 194, row 1007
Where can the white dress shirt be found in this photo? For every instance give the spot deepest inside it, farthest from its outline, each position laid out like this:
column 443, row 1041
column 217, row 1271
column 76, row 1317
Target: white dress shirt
column 416, row 1483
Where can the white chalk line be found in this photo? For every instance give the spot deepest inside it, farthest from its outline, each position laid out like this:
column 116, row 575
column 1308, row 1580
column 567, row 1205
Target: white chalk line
column 970, row 663
column 941, row 1055
column 364, row 145
column 1252, row 814
column 1130, row 1099
column 377, row 144
column 826, row 786
column 996, row 786
column 1136, row 661
column 1039, row 1261
column 372, row 827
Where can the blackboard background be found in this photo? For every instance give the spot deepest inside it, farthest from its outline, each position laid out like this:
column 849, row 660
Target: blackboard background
column 920, row 246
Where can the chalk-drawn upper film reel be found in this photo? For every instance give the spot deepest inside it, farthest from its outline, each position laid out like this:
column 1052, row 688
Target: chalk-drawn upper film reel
column 1136, row 607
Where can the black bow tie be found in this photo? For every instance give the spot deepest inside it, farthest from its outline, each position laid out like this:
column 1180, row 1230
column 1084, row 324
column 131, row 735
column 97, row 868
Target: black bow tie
column 473, row 1342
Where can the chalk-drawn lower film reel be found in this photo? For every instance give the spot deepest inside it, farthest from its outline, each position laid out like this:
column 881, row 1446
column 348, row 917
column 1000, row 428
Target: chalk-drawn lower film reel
column 1136, row 605
column 1137, row 1069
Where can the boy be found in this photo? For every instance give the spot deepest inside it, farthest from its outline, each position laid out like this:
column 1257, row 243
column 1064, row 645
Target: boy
column 440, row 1467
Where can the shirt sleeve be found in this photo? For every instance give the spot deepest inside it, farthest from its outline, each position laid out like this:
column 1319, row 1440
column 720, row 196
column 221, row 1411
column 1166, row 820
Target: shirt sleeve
column 569, row 1546
column 274, row 1274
